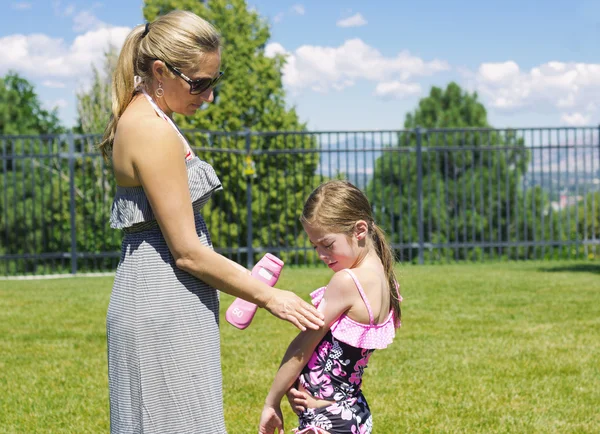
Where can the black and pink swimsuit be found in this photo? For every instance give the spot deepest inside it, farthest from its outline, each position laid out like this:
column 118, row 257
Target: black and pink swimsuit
column 335, row 369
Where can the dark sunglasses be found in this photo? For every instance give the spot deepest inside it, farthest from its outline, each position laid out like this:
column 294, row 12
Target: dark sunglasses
column 200, row 85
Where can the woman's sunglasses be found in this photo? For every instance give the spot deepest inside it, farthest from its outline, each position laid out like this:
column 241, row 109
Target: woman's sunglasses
column 200, row 85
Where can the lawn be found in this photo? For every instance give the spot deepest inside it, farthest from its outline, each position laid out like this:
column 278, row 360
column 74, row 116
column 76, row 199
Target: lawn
column 492, row 348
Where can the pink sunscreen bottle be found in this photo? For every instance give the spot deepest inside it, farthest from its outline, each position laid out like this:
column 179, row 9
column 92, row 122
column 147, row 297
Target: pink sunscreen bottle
column 241, row 312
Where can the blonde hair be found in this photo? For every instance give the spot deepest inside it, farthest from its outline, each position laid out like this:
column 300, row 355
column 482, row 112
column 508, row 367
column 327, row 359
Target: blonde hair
column 177, row 38
column 337, row 206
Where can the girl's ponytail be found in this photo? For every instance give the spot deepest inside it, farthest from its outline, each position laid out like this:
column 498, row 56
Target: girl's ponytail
column 386, row 254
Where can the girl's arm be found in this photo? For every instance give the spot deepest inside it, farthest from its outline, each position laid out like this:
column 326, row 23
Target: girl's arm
column 339, row 296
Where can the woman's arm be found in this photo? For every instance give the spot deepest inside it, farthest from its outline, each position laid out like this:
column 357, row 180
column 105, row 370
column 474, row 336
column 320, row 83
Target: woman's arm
column 160, row 167
column 238, row 266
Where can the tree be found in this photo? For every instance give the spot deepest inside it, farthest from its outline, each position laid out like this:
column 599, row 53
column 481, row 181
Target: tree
column 21, row 111
column 251, row 97
column 31, row 171
column 470, row 178
column 94, row 183
column 94, row 105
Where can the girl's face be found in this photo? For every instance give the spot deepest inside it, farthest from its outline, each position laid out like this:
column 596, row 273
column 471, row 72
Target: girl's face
column 336, row 250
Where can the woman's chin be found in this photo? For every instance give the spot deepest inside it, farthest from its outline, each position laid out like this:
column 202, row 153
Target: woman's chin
column 192, row 109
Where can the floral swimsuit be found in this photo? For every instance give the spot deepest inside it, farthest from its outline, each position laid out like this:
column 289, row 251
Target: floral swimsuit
column 335, row 369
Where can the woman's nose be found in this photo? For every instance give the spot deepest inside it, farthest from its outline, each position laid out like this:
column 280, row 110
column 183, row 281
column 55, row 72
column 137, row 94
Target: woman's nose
column 208, row 95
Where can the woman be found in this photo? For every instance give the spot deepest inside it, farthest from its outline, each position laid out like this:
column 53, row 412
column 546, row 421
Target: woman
column 162, row 322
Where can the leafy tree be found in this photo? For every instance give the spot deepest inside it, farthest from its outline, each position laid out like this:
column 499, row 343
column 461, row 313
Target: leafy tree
column 21, row 111
column 30, row 171
column 470, row 178
column 251, row 97
column 93, row 180
column 580, row 222
column 94, row 105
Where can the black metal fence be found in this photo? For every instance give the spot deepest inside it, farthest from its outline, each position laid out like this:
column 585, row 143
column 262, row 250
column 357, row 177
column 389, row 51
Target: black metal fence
column 441, row 195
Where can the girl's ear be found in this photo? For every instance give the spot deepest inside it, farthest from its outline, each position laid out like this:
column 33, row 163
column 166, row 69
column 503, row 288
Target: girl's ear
column 361, row 230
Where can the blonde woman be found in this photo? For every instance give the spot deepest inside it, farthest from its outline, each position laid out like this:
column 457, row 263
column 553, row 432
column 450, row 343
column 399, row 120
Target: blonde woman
column 162, row 322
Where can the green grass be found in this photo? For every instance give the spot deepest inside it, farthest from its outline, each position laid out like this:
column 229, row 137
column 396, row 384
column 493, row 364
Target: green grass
column 494, row 348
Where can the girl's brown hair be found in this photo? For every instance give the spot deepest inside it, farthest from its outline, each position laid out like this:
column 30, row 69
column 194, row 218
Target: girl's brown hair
column 337, row 205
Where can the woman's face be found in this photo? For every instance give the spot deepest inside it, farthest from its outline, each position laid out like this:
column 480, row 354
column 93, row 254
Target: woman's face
column 177, row 97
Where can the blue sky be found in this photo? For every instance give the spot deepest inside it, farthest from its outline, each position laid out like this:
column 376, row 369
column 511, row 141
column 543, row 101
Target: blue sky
column 356, row 65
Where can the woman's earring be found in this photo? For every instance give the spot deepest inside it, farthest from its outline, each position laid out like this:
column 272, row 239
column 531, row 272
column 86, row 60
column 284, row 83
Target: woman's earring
column 160, row 91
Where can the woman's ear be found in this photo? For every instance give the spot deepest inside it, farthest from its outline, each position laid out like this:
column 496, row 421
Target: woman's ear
column 361, row 230
column 158, row 71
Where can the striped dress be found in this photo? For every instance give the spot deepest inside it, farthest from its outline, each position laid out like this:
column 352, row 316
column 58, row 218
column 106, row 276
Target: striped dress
column 164, row 361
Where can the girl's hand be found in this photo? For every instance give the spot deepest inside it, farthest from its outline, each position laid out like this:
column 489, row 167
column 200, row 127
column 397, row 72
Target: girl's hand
column 271, row 419
column 288, row 306
column 299, row 401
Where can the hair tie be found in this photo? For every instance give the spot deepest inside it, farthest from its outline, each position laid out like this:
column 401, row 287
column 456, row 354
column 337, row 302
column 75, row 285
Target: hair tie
column 146, row 30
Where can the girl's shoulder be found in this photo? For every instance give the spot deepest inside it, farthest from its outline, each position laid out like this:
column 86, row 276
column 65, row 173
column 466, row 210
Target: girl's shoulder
column 342, row 283
column 338, row 295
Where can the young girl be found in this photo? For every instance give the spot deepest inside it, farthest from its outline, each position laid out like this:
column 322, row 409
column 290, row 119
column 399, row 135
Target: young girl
column 361, row 305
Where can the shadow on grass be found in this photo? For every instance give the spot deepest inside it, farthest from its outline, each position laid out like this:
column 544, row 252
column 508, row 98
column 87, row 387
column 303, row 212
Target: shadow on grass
column 587, row 268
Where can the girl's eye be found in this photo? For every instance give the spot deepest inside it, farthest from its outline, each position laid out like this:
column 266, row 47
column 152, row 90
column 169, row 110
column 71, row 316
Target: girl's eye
column 329, row 246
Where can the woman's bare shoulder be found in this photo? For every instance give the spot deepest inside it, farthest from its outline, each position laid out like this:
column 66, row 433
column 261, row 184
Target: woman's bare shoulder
column 139, row 128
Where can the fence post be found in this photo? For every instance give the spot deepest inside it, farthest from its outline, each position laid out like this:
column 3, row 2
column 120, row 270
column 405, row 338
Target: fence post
column 419, row 132
column 71, row 144
column 249, row 229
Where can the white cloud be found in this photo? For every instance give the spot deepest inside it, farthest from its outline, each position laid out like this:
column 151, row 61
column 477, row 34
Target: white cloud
column 298, row 9
column 85, row 20
column 21, row 6
column 39, row 55
column 322, row 68
column 274, row 48
column 355, row 20
column 547, row 87
column 576, row 119
column 499, row 72
column 53, row 84
column 278, row 18
column 397, row 89
column 62, row 11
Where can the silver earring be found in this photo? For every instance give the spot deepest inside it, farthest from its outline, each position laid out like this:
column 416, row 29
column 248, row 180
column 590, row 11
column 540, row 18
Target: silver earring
column 160, row 91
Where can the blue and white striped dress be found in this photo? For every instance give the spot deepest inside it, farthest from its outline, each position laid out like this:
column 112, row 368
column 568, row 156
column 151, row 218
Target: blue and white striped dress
column 164, row 359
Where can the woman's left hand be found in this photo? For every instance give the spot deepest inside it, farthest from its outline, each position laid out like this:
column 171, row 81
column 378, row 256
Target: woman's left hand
column 271, row 419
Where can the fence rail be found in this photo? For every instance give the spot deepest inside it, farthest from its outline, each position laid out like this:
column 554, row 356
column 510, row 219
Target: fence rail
column 441, row 195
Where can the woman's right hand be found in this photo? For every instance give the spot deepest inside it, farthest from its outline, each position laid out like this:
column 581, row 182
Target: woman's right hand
column 288, row 306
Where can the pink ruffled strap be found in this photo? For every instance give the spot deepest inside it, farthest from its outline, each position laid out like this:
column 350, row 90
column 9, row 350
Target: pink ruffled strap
column 361, row 291
column 359, row 335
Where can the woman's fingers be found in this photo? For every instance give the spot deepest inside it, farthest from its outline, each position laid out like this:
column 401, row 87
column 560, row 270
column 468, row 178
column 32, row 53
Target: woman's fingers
column 312, row 317
column 288, row 306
